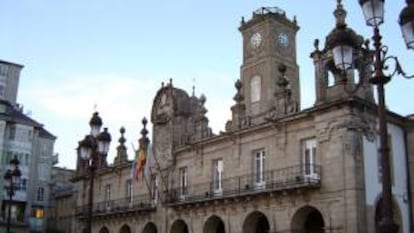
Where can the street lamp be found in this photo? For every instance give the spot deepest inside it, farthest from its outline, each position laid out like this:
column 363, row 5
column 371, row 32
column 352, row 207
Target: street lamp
column 92, row 148
column 407, row 23
column 12, row 182
column 344, row 47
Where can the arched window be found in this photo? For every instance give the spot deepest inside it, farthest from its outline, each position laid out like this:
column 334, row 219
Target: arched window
column 255, row 88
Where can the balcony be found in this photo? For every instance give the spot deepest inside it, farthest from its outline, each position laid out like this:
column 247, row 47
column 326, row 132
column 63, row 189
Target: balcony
column 279, row 180
column 134, row 204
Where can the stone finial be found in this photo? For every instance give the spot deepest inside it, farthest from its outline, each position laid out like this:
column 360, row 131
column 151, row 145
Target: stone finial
column 203, row 99
column 316, row 44
column 238, row 97
column 121, row 156
column 122, row 138
column 144, row 141
column 144, row 130
column 340, row 14
column 282, row 80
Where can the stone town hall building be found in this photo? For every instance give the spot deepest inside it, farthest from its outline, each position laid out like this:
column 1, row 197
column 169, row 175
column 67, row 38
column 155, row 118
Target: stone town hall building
column 276, row 168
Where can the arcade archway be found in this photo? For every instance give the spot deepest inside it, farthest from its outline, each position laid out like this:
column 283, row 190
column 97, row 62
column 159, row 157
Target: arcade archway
column 214, row 224
column 104, row 230
column 150, row 228
column 256, row 222
column 308, row 220
column 125, row 229
column 179, row 226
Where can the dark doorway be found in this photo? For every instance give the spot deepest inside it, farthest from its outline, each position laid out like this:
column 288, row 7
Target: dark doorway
column 125, row 229
column 150, row 228
column 308, row 220
column 314, row 222
column 179, row 226
column 214, row 224
column 256, row 222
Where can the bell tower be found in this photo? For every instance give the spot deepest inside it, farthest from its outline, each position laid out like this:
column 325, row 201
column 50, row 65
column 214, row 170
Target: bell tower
column 269, row 42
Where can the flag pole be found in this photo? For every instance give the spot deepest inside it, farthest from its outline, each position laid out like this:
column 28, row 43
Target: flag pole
column 143, row 148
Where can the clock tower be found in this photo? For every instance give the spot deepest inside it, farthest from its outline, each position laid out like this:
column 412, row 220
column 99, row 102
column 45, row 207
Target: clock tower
column 269, row 73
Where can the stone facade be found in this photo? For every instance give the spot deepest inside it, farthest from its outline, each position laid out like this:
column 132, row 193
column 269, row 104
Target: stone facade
column 62, row 201
column 276, row 168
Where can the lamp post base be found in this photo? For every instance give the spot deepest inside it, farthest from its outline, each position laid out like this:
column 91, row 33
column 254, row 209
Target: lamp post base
column 388, row 227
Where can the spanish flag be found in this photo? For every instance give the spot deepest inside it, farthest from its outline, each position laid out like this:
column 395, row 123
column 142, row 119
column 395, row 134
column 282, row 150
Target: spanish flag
column 141, row 159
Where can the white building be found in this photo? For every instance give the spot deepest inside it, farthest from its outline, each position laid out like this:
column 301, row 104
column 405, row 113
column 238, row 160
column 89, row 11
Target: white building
column 25, row 138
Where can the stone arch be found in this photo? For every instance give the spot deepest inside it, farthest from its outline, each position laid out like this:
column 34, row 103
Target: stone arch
column 396, row 215
column 214, row 224
column 308, row 219
column 256, row 222
column 179, row 226
column 150, row 228
column 125, row 229
column 104, row 230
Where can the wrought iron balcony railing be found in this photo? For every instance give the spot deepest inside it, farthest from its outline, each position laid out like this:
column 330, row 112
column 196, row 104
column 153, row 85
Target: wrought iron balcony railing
column 295, row 177
column 127, row 204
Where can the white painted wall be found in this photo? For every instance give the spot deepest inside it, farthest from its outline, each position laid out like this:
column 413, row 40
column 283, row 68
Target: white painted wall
column 372, row 184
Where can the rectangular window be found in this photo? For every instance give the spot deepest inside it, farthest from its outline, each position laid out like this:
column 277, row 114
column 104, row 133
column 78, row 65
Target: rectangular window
column 128, row 191
column 26, row 159
column 108, row 195
column 6, row 159
column 183, row 181
column 3, row 70
column 42, row 169
column 40, row 213
column 37, row 212
column 154, row 188
column 40, row 194
column 23, row 184
column 12, row 132
column 2, row 90
column 218, row 176
column 309, row 158
column 259, row 168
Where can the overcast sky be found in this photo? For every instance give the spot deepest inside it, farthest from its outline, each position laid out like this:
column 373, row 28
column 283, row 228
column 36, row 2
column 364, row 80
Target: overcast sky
column 115, row 54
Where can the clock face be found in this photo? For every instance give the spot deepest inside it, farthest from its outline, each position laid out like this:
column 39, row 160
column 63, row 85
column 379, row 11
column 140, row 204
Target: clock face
column 256, row 40
column 283, row 39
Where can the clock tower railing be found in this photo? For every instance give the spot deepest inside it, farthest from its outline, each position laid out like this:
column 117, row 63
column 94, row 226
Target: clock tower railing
column 266, row 10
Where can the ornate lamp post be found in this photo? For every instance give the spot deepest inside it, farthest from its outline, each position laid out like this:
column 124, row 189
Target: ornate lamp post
column 407, row 23
column 12, row 182
column 92, row 148
column 344, row 48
